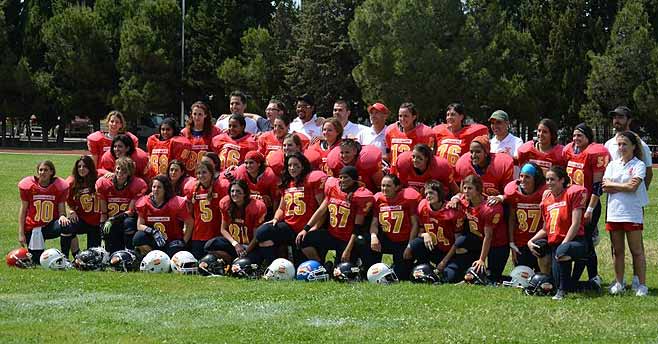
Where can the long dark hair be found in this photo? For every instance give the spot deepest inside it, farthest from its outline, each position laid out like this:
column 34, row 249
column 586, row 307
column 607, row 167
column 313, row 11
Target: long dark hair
column 127, row 141
column 286, row 178
column 178, row 186
column 172, row 123
column 234, row 209
column 561, row 173
column 207, row 123
column 552, row 127
column 88, row 182
column 166, row 185
column 207, row 165
column 635, row 140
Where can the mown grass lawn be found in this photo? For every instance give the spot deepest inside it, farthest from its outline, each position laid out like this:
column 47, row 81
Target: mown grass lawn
column 38, row 306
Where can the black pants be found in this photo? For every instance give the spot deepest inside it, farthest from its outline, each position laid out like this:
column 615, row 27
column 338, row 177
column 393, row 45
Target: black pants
column 50, row 231
column 562, row 272
column 527, row 258
column 496, row 259
column 453, row 271
column 281, row 235
column 592, row 261
column 121, row 235
column 93, row 233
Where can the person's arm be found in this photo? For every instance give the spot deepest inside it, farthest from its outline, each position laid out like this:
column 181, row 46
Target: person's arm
column 444, row 262
column 188, row 230
column 414, row 227
column 318, row 216
column 531, row 243
column 629, row 186
column 224, row 231
column 63, row 220
column 375, row 245
column 141, row 223
column 22, row 214
column 597, row 180
column 648, row 176
column 103, row 204
column 576, row 215
column 511, row 226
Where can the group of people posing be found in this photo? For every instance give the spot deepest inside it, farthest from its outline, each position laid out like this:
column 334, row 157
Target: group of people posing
column 264, row 187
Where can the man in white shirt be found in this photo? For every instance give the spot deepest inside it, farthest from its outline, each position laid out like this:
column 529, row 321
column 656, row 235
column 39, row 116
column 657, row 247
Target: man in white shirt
column 342, row 112
column 376, row 134
column 621, row 120
column 306, row 121
column 502, row 140
column 237, row 105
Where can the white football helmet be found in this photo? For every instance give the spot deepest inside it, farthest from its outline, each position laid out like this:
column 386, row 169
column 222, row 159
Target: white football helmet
column 54, row 259
column 183, row 262
column 281, row 269
column 155, row 261
column 380, row 273
column 103, row 253
column 521, row 276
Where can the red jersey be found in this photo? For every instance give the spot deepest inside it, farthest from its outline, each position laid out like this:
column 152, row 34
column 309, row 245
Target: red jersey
column 316, row 151
column 343, row 211
column 119, row 200
column 395, row 213
column 368, row 164
column 485, row 215
column 438, row 169
column 299, row 202
column 43, row 203
column 167, row 219
column 275, row 160
column 266, row 185
column 527, row 209
column 556, row 212
column 139, row 156
column 85, row 204
column 232, row 152
column 206, row 213
column 529, row 153
column 161, row 152
column 499, row 172
column 582, row 166
column 242, row 227
column 199, row 145
column 453, row 145
column 398, row 141
column 440, row 224
column 269, row 143
column 99, row 142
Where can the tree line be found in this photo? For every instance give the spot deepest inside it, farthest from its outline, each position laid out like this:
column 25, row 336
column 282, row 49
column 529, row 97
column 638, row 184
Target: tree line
column 571, row 61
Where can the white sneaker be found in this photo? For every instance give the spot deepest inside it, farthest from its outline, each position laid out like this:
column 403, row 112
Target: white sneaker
column 642, row 290
column 636, row 283
column 617, row 288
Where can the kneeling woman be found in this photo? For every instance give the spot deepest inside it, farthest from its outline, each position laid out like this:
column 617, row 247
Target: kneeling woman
column 160, row 216
column 241, row 215
column 562, row 210
column 83, row 203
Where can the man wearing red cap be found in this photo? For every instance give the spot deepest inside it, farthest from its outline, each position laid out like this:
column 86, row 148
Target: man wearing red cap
column 495, row 169
column 376, row 134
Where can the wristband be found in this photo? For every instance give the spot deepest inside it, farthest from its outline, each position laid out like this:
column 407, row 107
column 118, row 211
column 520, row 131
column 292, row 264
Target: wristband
column 454, row 198
column 589, row 210
column 234, row 243
column 307, row 228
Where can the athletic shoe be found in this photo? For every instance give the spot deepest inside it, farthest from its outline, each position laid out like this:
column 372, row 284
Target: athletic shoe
column 617, row 288
column 559, row 295
column 636, row 283
column 596, row 283
column 642, row 290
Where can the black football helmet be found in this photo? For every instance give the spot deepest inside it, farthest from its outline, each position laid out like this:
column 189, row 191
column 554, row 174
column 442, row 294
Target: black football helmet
column 424, row 273
column 244, row 268
column 89, row 260
column 210, row 265
column 473, row 277
column 347, row 272
column 540, row 285
column 124, row 261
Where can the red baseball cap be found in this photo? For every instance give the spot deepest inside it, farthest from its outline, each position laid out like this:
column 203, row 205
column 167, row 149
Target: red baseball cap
column 378, row 107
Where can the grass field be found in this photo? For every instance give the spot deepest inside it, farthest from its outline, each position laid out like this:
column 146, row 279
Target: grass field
column 39, row 306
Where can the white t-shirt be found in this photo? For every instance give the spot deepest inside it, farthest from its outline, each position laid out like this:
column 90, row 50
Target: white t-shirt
column 626, row 206
column 251, row 127
column 352, row 130
column 368, row 136
column 510, row 145
column 613, row 148
column 309, row 128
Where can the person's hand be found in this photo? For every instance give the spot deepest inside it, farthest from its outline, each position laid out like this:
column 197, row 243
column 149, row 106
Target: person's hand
column 493, row 200
column 453, row 203
column 514, row 247
column 73, row 217
column 108, row 175
column 300, row 237
column 157, row 236
column 375, row 245
column 427, row 240
column 345, row 257
column 273, row 222
column 587, row 217
column 22, row 239
column 239, row 249
column 533, row 248
column 441, row 266
column 64, row 221
column 106, row 226
column 479, row 265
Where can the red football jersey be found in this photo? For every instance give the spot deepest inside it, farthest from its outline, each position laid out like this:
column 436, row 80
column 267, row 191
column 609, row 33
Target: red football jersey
column 43, row 203
column 232, row 152
column 316, row 151
column 529, row 153
column 275, row 160
column 199, row 145
column 119, row 200
column 299, row 202
column 207, row 218
column 527, row 209
column 438, row 169
column 368, row 163
column 581, row 167
column 556, row 212
column 140, row 158
column 167, row 219
column 242, row 228
column 343, row 211
column 398, row 142
column 85, row 204
column 395, row 213
column 440, row 224
column 266, row 185
column 269, row 143
column 486, row 215
column 499, row 172
column 161, row 152
column 453, row 145
column 99, row 142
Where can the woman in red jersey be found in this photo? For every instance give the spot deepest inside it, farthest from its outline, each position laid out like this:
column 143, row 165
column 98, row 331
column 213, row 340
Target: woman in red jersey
column 200, row 132
column 495, row 169
column 453, row 138
column 406, row 133
column 291, row 143
column 420, row 165
column 166, row 146
column 177, row 176
column 122, row 146
column 272, row 141
column 262, row 181
column 233, row 146
column 545, row 151
column 100, row 142
column 84, row 205
column 332, row 131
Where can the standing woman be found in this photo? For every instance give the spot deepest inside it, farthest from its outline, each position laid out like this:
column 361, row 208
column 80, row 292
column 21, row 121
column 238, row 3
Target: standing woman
column 624, row 182
column 100, row 142
column 166, row 146
column 241, row 215
column 123, row 147
column 262, row 181
column 161, row 215
column 117, row 203
column 545, row 151
column 84, row 205
column 562, row 211
column 177, row 176
column 43, row 209
column 200, row 132
column 332, row 132
column 233, row 146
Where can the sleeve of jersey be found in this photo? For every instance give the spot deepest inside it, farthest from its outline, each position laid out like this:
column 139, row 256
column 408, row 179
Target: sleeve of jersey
column 24, row 186
column 317, row 181
column 140, row 206
column 370, row 159
column 445, row 172
column 216, row 144
column 505, row 168
column 577, row 197
column 150, row 143
column 510, row 191
column 106, row 162
column 138, row 188
column 365, row 202
column 223, row 209
column 102, row 185
column 92, row 144
column 495, row 215
column 258, row 212
column 463, row 167
column 599, row 158
column 375, row 204
column 183, row 213
column 180, row 149
column 188, row 189
column 412, row 197
column 328, row 185
column 62, row 190
column 334, row 162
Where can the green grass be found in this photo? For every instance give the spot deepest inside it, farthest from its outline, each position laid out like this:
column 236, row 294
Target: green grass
column 39, row 306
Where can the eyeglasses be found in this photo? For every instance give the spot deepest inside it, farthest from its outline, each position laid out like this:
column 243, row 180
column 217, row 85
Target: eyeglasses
column 271, row 109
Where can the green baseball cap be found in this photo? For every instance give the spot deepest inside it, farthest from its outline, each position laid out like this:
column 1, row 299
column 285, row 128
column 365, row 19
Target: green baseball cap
column 499, row 115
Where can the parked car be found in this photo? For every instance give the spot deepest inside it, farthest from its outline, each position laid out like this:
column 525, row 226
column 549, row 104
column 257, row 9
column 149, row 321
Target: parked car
column 147, row 126
column 32, row 127
column 79, row 127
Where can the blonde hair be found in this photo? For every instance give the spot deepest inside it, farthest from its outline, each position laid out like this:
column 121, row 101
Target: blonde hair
column 120, row 116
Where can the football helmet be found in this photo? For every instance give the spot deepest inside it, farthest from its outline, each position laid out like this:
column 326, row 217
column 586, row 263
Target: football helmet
column 155, row 261
column 521, row 276
column 244, row 268
column 543, row 248
column 184, row 262
column 312, row 270
column 424, row 273
column 474, row 277
column 91, row 260
column 124, row 261
column 210, row 265
column 54, row 259
column 281, row 269
column 380, row 273
column 20, row 258
column 540, row 285
column 347, row 272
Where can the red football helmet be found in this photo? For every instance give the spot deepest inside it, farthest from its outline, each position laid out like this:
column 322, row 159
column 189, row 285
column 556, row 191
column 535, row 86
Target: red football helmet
column 20, row 258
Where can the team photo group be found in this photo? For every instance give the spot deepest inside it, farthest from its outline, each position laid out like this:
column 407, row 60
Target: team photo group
column 291, row 195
